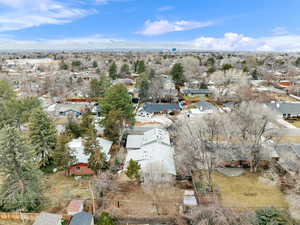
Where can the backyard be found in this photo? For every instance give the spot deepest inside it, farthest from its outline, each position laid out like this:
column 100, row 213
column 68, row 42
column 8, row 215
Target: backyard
column 136, row 200
column 246, row 191
column 60, row 189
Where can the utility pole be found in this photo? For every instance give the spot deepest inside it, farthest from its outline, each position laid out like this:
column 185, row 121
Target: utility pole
column 93, row 198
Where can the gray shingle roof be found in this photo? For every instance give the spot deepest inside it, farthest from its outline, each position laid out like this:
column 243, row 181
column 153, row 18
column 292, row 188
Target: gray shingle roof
column 82, row 218
column 48, row 219
column 204, row 106
column 292, row 108
column 196, row 91
column 155, row 108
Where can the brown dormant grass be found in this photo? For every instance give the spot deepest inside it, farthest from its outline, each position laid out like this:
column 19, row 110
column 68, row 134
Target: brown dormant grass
column 246, row 191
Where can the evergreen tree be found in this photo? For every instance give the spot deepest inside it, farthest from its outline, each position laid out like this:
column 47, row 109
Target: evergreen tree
column 98, row 87
column 177, row 73
column 133, row 170
column 21, row 189
column 141, row 68
column 97, row 159
column 42, row 134
column 63, row 156
column 6, row 92
column 105, row 219
column 124, row 71
column 113, row 125
column 116, row 105
column 113, row 74
column 73, row 128
column 87, row 122
column 226, row 67
column 95, row 64
column 63, row 66
column 143, row 86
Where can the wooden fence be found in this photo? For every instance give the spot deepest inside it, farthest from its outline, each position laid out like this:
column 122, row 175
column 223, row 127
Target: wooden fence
column 25, row 216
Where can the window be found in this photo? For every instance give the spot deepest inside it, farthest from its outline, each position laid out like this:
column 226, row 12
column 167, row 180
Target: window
column 77, row 167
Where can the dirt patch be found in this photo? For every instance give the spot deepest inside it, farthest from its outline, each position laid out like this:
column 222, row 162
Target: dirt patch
column 139, row 201
column 14, row 222
column 294, row 203
column 60, row 189
column 247, row 191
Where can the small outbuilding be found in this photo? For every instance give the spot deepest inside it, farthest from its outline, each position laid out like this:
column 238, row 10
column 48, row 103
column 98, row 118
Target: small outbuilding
column 48, row 219
column 75, row 206
column 82, row 218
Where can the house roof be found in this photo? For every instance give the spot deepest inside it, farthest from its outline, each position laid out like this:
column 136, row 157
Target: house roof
column 134, row 141
column 195, row 91
column 155, row 148
column 82, row 218
column 156, row 135
column 285, row 107
column 206, row 106
column 78, row 148
column 48, row 219
column 289, row 157
column 75, row 206
column 154, row 108
column 189, row 198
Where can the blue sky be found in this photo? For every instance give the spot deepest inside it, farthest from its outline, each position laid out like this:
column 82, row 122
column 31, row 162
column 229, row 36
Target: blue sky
column 264, row 25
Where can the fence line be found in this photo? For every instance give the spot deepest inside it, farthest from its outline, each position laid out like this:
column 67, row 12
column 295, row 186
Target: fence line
column 25, row 216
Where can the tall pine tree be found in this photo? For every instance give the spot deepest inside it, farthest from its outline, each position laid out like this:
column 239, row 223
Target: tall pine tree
column 42, row 134
column 177, row 73
column 21, row 189
column 97, row 159
column 113, row 71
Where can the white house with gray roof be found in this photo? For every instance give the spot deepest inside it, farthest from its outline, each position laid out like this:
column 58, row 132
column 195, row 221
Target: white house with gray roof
column 286, row 109
column 77, row 146
column 153, row 151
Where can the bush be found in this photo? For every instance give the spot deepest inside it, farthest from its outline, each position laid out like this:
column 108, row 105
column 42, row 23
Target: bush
column 105, row 219
column 272, row 216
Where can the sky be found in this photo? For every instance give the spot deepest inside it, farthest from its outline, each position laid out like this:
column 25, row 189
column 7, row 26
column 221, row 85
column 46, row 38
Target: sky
column 227, row 25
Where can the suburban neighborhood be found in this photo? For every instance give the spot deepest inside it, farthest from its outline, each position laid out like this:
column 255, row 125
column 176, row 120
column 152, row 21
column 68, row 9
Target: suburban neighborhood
column 144, row 112
column 124, row 139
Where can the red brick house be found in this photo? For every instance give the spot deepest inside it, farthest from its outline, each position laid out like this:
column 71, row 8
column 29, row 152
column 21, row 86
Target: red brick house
column 79, row 169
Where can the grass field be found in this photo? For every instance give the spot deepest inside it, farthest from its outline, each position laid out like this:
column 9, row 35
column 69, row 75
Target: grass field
column 60, row 189
column 295, row 123
column 290, row 139
column 246, row 191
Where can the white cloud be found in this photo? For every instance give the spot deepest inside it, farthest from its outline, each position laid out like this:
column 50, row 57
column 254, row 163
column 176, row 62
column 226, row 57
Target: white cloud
column 280, row 31
column 20, row 14
column 229, row 42
column 164, row 26
column 165, row 8
column 239, row 42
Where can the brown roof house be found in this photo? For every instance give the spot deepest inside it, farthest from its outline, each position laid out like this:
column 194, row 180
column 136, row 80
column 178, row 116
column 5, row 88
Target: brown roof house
column 48, row 219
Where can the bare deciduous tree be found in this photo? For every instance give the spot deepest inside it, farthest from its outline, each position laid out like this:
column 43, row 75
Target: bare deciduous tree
column 197, row 143
column 249, row 123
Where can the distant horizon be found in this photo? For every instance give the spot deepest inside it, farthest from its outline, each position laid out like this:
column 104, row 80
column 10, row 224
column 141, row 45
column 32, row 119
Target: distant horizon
column 150, row 50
